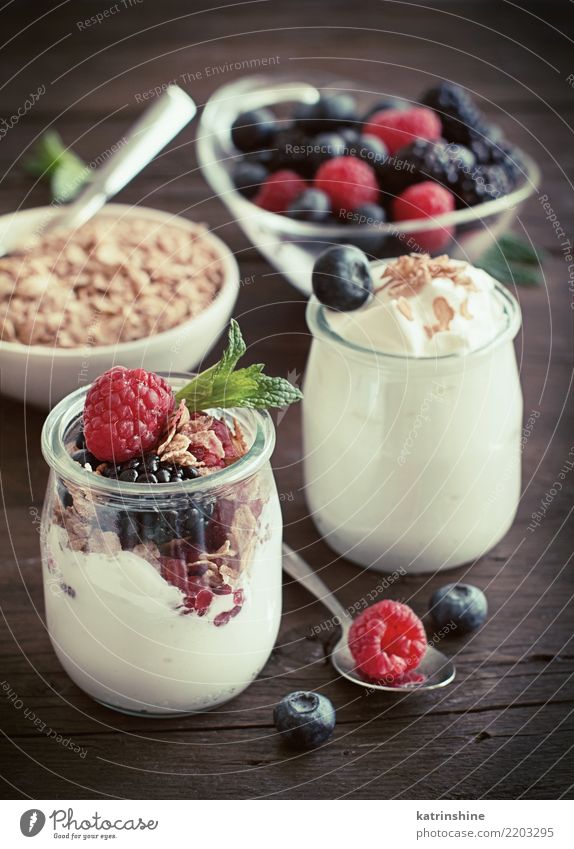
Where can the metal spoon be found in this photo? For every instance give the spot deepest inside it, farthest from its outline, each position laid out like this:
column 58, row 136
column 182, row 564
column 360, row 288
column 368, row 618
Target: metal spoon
column 437, row 670
column 157, row 126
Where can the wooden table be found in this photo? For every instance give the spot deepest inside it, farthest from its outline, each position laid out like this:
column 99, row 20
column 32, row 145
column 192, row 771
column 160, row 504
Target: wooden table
column 504, row 728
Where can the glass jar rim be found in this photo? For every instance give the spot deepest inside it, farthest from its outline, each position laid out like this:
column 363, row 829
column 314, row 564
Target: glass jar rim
column 60, row 460
column 321, row 329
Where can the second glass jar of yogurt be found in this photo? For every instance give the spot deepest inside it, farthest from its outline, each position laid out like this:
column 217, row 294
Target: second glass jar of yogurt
column 412, row 425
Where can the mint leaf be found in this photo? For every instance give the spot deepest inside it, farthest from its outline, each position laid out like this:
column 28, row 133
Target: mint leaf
column 224, row 386
column 50, row 160
column 513, row 261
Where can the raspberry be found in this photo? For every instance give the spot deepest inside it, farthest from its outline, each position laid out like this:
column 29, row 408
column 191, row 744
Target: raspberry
column 425, row 200
column 398, row 127
column 125, row 413
column 387, row 640
column 279, row 191
column 348, row 182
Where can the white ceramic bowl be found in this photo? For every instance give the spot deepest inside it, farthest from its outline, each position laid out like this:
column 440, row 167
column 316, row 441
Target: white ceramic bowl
column 43, row 375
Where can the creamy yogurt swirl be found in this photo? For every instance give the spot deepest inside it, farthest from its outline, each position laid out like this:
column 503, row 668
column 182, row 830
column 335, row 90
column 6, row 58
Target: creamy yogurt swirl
column 426, row 307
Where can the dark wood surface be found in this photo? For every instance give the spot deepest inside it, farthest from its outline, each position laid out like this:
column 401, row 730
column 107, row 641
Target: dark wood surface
column 504, row 729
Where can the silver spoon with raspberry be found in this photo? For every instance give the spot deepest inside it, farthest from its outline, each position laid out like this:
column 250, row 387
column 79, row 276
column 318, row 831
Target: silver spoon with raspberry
column 384, row 648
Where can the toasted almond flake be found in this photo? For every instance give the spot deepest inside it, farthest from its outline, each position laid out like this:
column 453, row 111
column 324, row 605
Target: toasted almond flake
column 444, row 313
column 404, row 308
column 464, row 310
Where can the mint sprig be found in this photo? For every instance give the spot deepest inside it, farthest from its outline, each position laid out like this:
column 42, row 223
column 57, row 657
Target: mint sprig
column 50, row 160
column 223, row 385
column 513, row 261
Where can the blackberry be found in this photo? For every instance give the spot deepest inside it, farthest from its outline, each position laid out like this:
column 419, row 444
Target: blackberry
column 438, row 161
column 291, row 152
column 484, row 183
column 253, row 130
column 497, row 151
column 458, row 114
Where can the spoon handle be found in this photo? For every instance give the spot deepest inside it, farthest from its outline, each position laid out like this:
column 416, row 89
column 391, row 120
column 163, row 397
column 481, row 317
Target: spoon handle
column 298, row 569
column 149, row 135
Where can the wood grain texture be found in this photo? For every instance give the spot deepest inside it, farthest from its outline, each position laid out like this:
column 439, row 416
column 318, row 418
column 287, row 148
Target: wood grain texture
column 504, row 729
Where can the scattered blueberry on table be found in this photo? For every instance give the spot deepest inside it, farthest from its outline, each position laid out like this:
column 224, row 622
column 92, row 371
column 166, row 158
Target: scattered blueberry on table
column 305, row 719
column 462, row 604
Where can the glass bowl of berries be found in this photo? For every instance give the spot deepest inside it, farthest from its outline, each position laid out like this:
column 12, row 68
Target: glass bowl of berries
column 304, row 165
column 161, row 534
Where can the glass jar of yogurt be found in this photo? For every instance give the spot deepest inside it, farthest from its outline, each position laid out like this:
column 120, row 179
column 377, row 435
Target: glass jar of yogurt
column 161, row 598
column 412, row 424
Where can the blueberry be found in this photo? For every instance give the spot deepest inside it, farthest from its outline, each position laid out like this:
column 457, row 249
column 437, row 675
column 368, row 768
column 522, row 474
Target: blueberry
column 151, row 462
column 80, row 438
column 380, row 106
column 261, row 157
column 305, row 719
column 64, row 495
column 326, row 146
column 163, row 476
column 189, row 473
column 311, row 205
column 349, row 135
column 462, row 604
column 369, row 214
column 247, row 177
column 128, row 475
column 253, row 130
column 371, row 150
column 341, row 278
column 328, row 113
column 146, row 477
column 82, row 457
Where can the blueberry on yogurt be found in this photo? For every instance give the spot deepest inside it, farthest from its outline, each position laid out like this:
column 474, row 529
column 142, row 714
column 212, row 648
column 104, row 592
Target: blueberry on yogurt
column 342, row 278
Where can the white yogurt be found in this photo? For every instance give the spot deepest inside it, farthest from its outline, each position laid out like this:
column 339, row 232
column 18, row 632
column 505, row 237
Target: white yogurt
column 121, row 637
column 412, row 458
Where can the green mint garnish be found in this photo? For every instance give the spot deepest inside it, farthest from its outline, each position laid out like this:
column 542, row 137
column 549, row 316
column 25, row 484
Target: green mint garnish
column 513, row 261
column 50, row 160
column 223, row 385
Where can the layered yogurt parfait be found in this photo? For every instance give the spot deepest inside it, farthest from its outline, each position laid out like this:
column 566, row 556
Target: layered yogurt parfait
column 161, row 534
column 413, row 410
